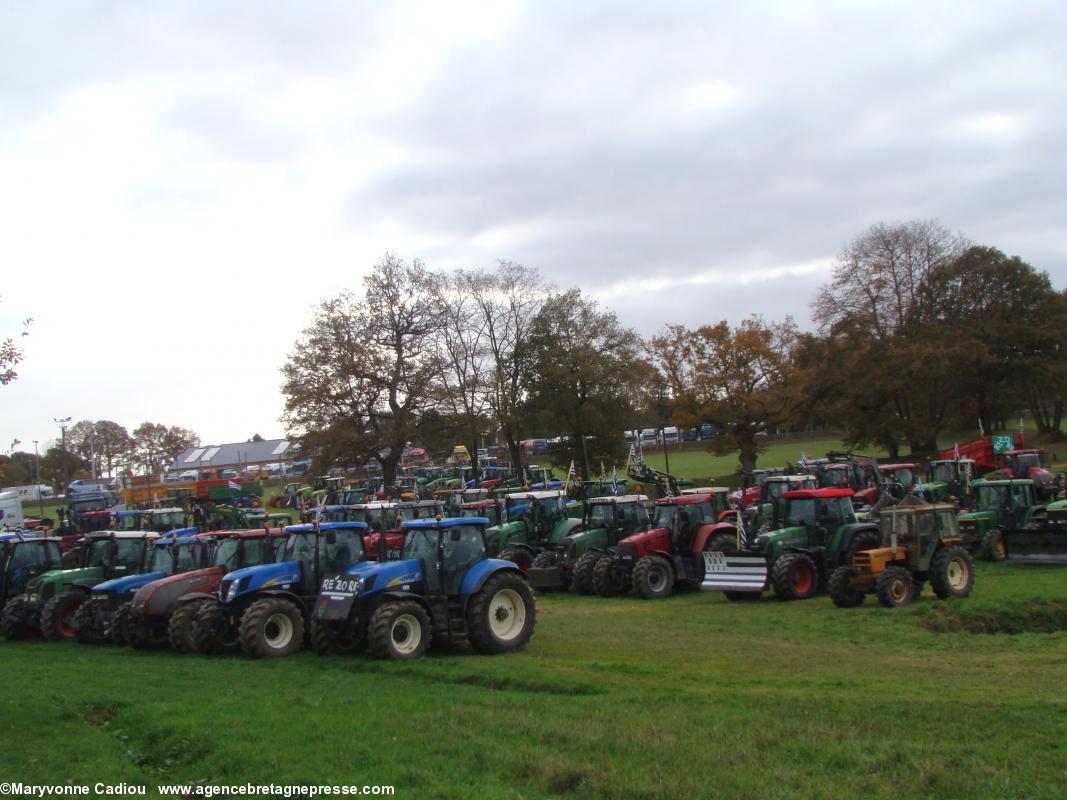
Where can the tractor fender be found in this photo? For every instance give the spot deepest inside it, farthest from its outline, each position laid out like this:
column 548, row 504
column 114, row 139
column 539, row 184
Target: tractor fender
column 282, row 593
column 392, row 594
column 849, row 533
column 524, row 547
column 193, row 596
column 78, row 586
column 729, row 514
column 482, row 571
column 706, row 532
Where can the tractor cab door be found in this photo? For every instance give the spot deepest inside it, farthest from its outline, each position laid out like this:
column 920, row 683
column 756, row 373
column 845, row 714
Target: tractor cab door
column 550, row 511
column 25, row 560
column 829, row 516
column 301, row 547
column 128, row 556
column 1022, row 501
column 463, row 546
column 422, row 545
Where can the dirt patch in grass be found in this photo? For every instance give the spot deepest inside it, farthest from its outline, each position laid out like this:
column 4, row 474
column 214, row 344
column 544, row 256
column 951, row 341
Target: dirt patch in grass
column 504, row 683
column 1029, row 616
column 97, row 715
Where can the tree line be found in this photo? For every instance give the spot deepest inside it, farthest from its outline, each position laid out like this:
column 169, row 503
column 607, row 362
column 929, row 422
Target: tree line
column 918, row 332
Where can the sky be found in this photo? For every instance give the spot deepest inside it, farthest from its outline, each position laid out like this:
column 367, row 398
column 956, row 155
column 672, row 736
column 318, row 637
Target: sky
column 181, row 182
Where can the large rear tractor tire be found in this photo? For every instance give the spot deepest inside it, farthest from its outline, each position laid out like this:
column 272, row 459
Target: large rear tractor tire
column 653, row 578
column 180, row 626
column 992, row 547
column 58, row 614
column 795, row 577
column 502, row 614
column 609, row 579
column 952, row 573
column 399, row 631
column 14, row 623
column 519, row 557
column 121, row 629
column 271, row 627
column 82, row 623
column 843, row 595
column 894, row 588
column 583, row 572
column 334, row 638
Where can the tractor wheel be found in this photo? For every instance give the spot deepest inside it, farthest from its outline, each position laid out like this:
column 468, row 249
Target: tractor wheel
column 180, row 627
column 517, row 556
column 741, row 597
column 548, row 559
column 653, row 578
column 210, row 632
column 58, row 613
column 334, row 638
column 843, row 595
column 122, row 626
column 608, row 579
column 864, row 540
column 13, row 622
column 82, row 624
column 992, row 547
column 143, row 635
column 721, row 543
column 795, row 577
column 270, row 627
column 952, row 573
column 399, row 631
column 583, row 573
column 501, row 615
column 894, row 587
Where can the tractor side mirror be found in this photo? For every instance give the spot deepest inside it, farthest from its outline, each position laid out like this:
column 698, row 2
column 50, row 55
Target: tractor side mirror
column 454, row 535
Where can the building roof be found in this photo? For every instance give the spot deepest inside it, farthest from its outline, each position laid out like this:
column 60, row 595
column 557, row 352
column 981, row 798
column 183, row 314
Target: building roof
column 212, row 455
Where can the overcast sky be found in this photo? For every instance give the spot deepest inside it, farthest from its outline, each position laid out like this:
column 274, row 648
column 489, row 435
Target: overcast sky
column 180, row 182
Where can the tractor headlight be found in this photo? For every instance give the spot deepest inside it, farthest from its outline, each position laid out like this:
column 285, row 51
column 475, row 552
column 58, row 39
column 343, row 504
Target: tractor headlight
column 231, row 592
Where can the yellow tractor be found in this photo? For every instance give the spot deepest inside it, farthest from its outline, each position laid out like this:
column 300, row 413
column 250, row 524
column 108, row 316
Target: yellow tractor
column 919, row 543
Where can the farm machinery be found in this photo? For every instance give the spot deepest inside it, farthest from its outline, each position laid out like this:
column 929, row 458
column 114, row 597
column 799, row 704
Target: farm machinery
column 263, row 610
column 764, row 513
column 571, row 559
column 534, row 520
column 818, row 532
column 918, row 543
column 1000, row 506
column 52, row 598
column 445, row 588
column 23, row 557
column 106, row 613
column 949, row 479
column 163, row 610
column 1044, row 542
column 671, row 551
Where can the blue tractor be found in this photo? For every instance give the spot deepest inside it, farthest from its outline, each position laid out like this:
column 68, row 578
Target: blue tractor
column 105, row 615
column 444, row 588
column 262, row 610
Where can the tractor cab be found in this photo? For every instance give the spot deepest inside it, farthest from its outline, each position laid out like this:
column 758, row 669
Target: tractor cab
column 419, row 509
column 1027, row 464
column 1011, row 501
column 899, row 479
column 626, row 513
column 91, row 521
column 263, row 519
column 819, row 511
column 949, row 479
column 538, row 512
column 916, row 531
column 22, row 558
column 164, row 520
column 766, row 514
column 130, row 520
column 491, row 509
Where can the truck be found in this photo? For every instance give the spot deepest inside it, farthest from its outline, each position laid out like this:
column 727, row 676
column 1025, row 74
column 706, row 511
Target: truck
column 31, row 494
column 10, row 510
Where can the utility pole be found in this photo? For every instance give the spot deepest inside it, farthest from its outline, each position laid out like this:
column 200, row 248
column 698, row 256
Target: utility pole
column 63, row 430
column 40, row 500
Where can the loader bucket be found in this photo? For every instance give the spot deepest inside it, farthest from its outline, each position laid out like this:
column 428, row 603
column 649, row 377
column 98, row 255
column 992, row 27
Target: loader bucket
column 1036, row 546
column 732, row 572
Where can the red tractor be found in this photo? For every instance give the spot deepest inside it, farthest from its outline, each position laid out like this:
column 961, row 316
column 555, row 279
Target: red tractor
column 650, row 563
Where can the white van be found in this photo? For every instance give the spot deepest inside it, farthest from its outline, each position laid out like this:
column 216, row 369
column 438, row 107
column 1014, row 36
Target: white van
column 10, row 510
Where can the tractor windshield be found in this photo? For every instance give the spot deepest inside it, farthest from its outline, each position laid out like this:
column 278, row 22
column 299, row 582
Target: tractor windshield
column 993, row 498
column 665, row 517
column 773, row 490
column 99, row 552
column 944, row 471
column 904, row 476
column 1026, row 461
column 518, row 509
column 162, row 559
column 338, row 550
column 799, row 512
column 600, row 515
column 376, row 518
column 898, row 523
column 168, row 521
column 29, row 559
column 551, row 509
column 128, row 522
column 226, row 554
column 421, row 544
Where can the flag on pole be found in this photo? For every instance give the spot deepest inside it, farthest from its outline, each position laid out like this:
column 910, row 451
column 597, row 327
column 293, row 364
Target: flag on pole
column 1021, row 430
column 956, row 452
column 742, row 537
column 233, row 486
column 571, row 474
column 981, row 430
column 417, row 492
column 632, row 461
column 603, row 474
column 614, row 480
column 803, row 461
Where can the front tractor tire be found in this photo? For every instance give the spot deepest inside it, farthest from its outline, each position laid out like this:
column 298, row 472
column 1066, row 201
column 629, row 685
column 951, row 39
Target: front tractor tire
column 952, row 573
column 330, row 638
column 653, row 578
column 992, row 547
column 14, row 623
column 271, row 627
column 894, row 588
column 501, row 615
column 180, row 626
column 121, row 626
column 795, row 577
column 399, row 631
column 518, row 556
column 843, row 595
column 58, row 613
column 609, row 578
column 583, row 573
column 211, row 632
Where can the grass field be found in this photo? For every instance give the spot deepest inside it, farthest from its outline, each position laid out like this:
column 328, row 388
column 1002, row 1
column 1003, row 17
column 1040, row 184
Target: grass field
column 686, row 697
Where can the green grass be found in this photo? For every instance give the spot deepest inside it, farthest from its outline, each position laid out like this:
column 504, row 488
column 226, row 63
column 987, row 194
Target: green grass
column 686, row 697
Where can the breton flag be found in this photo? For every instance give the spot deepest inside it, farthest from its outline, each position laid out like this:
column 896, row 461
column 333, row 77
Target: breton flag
column 956, row 452
column 233, row 486
column 742, row 537
column 803, row 461
column 571, row 475
column 614, row 480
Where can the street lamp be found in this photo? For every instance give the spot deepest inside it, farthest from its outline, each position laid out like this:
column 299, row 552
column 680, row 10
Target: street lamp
column 62, row 421
column 40, row 500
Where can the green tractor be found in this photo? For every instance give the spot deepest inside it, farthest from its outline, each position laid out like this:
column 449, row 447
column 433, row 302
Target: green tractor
column 918, row 544
column 949, row 479
column 1000, row 505
column 534, row 521
column 52, row 599
column 22, row 558
column 763, row 514
column 819, row 532
column 571, row 560
column 1044, row 541
column 292, row 496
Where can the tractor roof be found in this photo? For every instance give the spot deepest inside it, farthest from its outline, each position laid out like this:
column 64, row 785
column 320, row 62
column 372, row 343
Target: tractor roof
column 892, row 467
column 684, row 500
column 307, row 527
column 542, row 495
column 922, row 507
column 952, row 461
column 476, row 504
column 615, row 499
column 251, row 533
column 373, row 506
column 130, row 512
column 122, row 535
column 447, row 522
column 420, row 504
column 167, row 511
column 1022, row 452
column 805, row 477
column 712, row 489
column 817, row 494
column 174, row 541
column 1004, row 482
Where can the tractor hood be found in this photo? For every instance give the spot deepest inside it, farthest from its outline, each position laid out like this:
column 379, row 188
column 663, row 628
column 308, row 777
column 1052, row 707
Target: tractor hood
column 127, row 583
column 505, row 532
column 647, row 536
column 782, row 537
column 198, row 580
column 386, row 575
column 978, row 516
column 264, row 576
column 56, row 577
